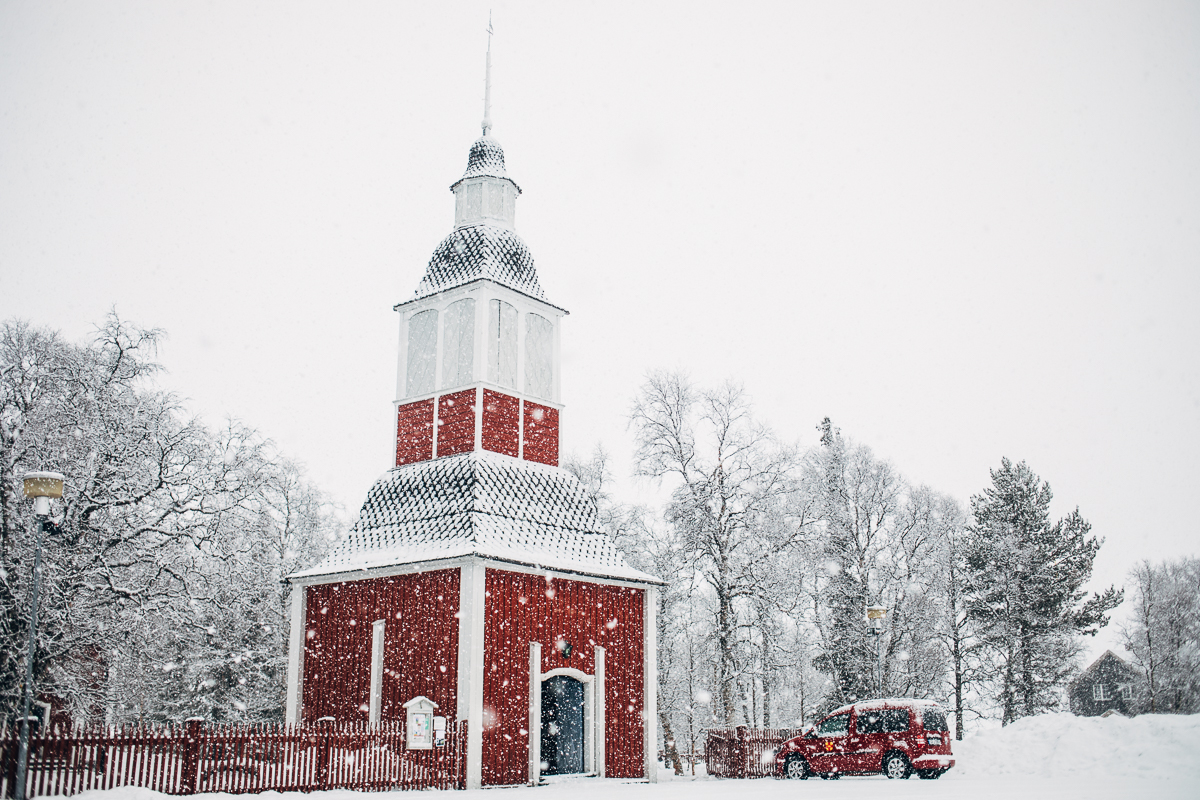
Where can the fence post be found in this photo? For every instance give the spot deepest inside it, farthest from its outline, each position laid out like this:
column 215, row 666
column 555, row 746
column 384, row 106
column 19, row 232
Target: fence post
column 324, row 744
column 191, row 756
column 742, row 750
column 461, row 747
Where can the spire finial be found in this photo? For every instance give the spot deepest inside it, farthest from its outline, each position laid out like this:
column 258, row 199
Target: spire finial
column 487, row 82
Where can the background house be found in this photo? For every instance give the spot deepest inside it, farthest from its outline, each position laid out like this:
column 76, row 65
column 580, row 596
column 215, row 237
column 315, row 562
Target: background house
column 1109, row 684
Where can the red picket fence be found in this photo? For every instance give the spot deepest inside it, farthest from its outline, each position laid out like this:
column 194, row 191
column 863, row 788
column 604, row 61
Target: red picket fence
column 234, row 759
column 743, row 752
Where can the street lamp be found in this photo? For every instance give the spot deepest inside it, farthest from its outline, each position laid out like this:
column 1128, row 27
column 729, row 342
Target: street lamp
column 875, row 615
column 41, row 486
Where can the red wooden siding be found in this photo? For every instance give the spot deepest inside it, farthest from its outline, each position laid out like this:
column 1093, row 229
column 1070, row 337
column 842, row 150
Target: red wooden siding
column 541, row 434
column 501, row 423
column 456, row 423
column 520, row 609
column 420, row 645
column 414, row 432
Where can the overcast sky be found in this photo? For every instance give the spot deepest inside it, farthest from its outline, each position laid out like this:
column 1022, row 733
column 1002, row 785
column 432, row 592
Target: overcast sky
column 963, row 231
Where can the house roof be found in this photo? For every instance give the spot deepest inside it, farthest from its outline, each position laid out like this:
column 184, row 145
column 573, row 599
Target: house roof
column 1105, row 656
column 481, row 504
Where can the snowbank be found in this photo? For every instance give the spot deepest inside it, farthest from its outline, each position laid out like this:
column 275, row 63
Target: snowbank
column 1065, row 746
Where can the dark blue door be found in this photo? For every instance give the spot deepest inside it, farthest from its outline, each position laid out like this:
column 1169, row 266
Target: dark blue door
column 562, row 725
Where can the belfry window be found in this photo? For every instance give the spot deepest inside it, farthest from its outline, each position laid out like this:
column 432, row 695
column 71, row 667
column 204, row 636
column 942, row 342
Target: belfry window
column 539, row 356
column 422, row 353
column 502, row 344
column 458, row 344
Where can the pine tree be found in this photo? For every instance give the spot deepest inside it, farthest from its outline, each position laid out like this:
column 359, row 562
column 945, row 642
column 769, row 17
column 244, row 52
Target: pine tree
column 1023, row 589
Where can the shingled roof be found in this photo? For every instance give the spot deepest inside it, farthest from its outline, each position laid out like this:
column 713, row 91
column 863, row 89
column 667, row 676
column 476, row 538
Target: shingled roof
column 486, row 159
column 479, row 504
column 481, row 251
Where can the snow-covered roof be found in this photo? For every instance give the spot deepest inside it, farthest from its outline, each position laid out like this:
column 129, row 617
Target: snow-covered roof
column 481, row 504
column 486, row 159
column 481, row 251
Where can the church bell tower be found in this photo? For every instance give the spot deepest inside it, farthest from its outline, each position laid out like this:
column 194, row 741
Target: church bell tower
column 479, row 342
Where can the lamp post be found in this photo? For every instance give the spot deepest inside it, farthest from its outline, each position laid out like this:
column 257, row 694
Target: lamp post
column 875, row 615
column 41, row 486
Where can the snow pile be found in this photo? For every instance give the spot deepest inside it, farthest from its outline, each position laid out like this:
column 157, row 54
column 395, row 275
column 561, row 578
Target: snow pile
column 1066, row 746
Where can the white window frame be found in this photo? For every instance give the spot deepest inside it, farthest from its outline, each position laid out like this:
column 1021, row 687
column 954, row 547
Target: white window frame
column 1100, row 692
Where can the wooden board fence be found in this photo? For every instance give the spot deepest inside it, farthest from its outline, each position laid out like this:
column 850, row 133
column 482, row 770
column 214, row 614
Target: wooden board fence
column 233, row 758
column 743, row 752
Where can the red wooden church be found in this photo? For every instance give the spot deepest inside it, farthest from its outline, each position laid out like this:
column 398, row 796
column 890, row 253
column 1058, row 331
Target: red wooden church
column 477, row 575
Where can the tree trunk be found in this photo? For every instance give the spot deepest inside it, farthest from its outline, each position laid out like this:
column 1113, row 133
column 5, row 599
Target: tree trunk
column 669, row 749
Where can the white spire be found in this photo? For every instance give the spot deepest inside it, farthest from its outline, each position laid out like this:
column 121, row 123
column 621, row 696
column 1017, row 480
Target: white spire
column 487, row 82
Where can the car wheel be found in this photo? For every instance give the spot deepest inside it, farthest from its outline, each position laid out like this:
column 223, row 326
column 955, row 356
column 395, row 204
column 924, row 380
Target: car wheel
column 929, row 774
column 895, row 765
column 796, row 769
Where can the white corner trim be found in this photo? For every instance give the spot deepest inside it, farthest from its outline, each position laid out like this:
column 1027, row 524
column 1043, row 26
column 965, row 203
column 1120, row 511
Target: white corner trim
column 650, row 681
column 295, row 673
column 535, row 713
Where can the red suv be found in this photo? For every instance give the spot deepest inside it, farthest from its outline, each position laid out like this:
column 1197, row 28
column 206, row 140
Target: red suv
column 895, row 737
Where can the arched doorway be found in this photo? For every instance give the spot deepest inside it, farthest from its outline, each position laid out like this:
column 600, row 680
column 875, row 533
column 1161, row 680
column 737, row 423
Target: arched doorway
column 562, row 726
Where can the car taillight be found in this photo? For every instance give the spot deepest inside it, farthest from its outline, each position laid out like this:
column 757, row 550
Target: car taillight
column 934, row 739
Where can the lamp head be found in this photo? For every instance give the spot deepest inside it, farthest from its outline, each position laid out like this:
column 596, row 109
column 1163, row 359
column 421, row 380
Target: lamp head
column 875, row 615
column 42, row 486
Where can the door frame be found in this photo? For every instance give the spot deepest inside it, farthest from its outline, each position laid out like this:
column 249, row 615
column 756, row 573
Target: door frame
column 593, row 712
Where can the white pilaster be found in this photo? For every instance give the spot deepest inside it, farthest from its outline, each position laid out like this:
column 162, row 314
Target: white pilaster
column 600, row 712
column 650, row 680
column 295, row 676
column 376, row 695
column 535, row 713
column 471, row 587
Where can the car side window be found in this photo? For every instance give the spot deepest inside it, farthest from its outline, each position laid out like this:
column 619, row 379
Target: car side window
column 834, row 726
column 934, row 720
column 895, row 720
column 870, row 721
column 883, row 720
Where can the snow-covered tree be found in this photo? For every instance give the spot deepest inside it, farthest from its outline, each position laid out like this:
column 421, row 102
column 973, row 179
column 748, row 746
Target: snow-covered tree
column 735, row 503
column 1023, row 590
column 1163, row 633
column 141, row 551
column 881, row 541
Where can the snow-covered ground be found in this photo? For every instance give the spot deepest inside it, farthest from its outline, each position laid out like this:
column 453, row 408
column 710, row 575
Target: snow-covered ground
column 1057, row 756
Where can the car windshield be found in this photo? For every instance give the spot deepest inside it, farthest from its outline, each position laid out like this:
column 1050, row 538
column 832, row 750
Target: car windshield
column 834, row 726
column 934, row 720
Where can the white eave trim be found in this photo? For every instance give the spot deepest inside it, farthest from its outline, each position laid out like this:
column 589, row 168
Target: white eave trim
column 410, row 568
column 472, row 282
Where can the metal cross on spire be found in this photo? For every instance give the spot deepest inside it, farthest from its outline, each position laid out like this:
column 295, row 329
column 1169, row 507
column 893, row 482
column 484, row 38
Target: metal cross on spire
column 487, row 82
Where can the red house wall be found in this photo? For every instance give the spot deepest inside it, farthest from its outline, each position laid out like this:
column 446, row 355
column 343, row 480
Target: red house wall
column 520, row 609
column 456, row 423
column 501, row 423
column 541, row 434
column 420, row 655
column 414, row 432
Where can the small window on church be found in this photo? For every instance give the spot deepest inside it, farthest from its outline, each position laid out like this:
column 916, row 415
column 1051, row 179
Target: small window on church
column 539, row 356
column 502, row 344
column 458, row 344
column 422, row 353
column 495, row 199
